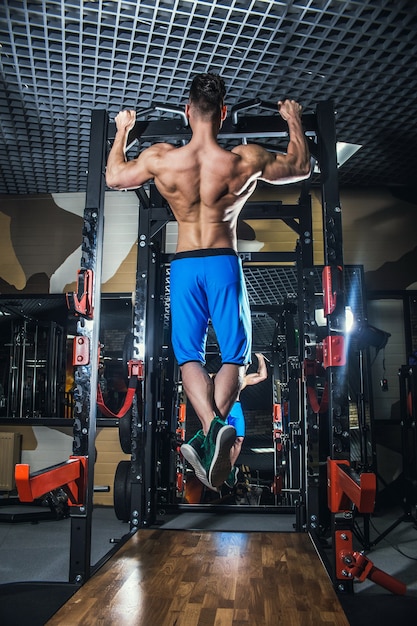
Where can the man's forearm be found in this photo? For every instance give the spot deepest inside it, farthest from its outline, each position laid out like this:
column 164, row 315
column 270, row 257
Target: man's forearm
column 298, row 146
column 117, row 158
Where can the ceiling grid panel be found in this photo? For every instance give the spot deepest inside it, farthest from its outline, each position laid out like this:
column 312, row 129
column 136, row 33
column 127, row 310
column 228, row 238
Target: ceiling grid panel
column 58, row 60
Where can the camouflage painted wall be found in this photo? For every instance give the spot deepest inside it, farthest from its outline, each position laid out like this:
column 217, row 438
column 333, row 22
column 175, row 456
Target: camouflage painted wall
column 40, row 239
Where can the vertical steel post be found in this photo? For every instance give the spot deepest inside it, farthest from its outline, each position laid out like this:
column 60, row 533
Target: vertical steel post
column 305, row 303
column 141, row 350
column 88, row 328
column 147, row 348
column 338, row 430
column 334, row 437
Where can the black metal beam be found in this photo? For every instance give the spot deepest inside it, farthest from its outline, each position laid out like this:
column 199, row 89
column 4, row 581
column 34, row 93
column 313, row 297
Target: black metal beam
column 335, row 443
column 86, row 375
column 247, row 127
column 255, row 210
column 332, row 214
column 333, row 258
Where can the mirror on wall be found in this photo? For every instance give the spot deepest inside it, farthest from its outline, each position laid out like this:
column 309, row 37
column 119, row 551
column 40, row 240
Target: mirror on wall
column 36, row 344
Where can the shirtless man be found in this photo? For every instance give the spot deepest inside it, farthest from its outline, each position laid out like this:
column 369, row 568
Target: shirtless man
column 206, row 188
column 236, row 417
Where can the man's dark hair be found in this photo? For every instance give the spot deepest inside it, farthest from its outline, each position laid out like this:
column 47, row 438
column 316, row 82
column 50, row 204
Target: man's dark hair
column 207, row 93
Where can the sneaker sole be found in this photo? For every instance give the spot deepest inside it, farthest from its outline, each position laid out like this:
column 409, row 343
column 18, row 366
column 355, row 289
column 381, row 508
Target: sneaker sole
column 221, row 467
column 193, row 459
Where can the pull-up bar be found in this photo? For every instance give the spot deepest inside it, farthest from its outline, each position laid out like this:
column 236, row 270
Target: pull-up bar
column 234, row 127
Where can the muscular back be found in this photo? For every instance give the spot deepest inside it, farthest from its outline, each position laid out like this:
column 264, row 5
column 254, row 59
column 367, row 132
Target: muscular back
column 206, row 189
column 205, row 185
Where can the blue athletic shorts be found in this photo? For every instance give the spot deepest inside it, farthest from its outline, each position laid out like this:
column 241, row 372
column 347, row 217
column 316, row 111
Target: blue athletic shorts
column 237, row 419
column 204, row 285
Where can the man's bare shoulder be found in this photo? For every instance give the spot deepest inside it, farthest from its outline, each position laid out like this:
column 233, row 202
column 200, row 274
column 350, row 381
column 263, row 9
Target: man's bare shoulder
column 153, row 158
column 159, row 149
column 248, row 151
column 253, row 159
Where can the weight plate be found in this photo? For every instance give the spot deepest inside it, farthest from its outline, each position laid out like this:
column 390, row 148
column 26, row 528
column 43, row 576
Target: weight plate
column 122, row 491
column 125, row 432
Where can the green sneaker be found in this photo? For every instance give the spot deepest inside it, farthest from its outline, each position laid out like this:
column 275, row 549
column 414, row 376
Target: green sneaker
column 197, row 442
column 231, row 480
column 220, row 438
column 193, row 451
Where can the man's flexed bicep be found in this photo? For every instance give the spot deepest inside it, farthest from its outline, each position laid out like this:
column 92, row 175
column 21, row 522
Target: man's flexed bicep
column 124, row 174
column 282, row 168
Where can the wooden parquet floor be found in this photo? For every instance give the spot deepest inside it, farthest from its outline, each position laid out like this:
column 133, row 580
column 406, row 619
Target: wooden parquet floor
column 197, row 578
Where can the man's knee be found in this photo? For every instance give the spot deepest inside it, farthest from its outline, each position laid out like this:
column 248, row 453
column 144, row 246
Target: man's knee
column 238, row 442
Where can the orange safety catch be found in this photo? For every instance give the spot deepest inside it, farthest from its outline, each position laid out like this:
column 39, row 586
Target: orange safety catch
column 81, row 302
column 332, row 282
column 70, row 476
column 182, row 410
column 345, row 486
column 81, row 350
column 359, row 566
column 334, row 351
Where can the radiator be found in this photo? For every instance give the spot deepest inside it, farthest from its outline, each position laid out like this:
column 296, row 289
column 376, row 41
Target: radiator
column 9, row 456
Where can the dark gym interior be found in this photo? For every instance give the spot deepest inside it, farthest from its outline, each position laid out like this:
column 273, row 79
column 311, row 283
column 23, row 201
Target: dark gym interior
column 92, row 406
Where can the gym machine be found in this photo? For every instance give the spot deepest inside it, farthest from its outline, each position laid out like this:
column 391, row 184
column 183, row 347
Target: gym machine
column 76, row 475
column 154, row 214
column 334, row 426
column 166, row 405
column 33, row 359
column 156, row 401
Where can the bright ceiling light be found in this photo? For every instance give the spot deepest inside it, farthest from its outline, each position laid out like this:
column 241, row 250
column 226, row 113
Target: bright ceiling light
column 343, row 152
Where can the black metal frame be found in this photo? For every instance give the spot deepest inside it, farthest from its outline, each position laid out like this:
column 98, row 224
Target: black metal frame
column 335, row 442
column 322, row 127
column 154, row 210
column 153, row 215
column 86, row 375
